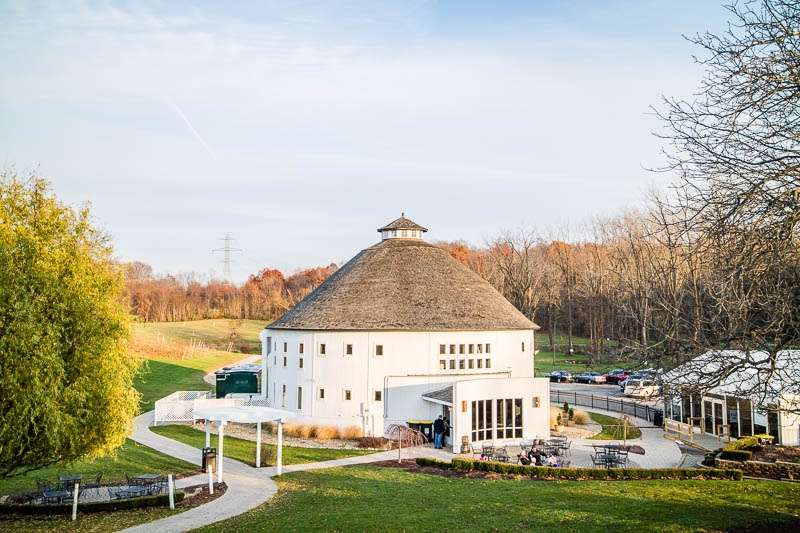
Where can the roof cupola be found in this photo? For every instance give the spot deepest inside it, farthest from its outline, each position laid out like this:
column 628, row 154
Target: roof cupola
column 402, row 228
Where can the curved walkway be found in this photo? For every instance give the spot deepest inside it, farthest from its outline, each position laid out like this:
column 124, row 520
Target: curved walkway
column 248, row 487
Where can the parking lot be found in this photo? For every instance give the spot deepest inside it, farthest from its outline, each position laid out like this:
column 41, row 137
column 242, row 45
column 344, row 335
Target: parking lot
column 612, row 391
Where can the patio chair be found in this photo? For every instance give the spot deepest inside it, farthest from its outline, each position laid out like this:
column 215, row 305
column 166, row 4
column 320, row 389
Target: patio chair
column 487, row 451
column 566, row 447
column 526, row 445
column 476, row 450
column 501, row 454
column 94, row 483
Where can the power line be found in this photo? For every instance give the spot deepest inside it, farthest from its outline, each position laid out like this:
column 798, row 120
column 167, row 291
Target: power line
column 227, row 253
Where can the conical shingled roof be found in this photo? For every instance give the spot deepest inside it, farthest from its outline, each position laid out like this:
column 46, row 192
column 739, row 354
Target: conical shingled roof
column 404, row 284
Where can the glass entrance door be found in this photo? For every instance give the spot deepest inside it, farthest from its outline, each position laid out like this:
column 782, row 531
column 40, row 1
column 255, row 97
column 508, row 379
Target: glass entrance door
column 708, row 417
column 718, row 420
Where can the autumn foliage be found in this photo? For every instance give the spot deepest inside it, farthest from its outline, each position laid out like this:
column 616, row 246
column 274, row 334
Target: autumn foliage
column 265, row 295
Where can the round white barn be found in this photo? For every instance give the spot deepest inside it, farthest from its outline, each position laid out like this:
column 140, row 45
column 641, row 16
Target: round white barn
column 403, row 333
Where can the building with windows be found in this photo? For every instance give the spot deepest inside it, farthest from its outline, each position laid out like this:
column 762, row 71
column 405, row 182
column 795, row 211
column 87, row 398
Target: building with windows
column 403, row 333
column 755, row 396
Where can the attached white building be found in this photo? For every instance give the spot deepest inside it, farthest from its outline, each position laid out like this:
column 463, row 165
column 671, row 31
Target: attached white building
column 750, row 395
column 403, row 332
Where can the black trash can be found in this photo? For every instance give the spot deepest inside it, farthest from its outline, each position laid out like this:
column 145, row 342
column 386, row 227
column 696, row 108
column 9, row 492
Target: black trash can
column 658, row 418
column 209, row 459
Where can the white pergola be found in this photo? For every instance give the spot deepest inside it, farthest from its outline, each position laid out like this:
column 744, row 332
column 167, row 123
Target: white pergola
column 247, row 414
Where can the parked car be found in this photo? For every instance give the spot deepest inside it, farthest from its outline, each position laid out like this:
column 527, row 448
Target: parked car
column 561, row 376
column 641, row 388
column 617, row 375
column 638, row 375
column 590, row 377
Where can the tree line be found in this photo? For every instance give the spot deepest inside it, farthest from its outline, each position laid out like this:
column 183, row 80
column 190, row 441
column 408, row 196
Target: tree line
column 265, row 295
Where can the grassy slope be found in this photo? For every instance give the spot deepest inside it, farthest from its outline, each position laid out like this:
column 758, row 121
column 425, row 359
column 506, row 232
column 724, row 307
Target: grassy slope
column 612, row 428
column 214, row 333
column 180, row 365
column 364, row 498
column 245, row 450
column 132, row 458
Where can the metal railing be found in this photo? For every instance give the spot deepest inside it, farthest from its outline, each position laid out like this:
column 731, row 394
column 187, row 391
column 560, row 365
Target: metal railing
column 607, row 403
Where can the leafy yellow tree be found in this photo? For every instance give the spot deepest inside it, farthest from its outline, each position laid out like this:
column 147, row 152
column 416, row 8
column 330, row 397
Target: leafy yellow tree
column 65, row 376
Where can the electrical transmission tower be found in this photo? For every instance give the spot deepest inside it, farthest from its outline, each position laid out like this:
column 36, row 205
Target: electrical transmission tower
column 227, row 253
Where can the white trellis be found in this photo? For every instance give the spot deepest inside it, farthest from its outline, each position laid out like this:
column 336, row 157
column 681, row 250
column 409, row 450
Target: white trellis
column 181, row 405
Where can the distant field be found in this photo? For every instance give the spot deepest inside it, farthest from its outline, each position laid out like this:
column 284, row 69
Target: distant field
column 219, row 334
column 178, row 354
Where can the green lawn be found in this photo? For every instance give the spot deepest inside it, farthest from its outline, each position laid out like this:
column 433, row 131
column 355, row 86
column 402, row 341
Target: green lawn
column 245, row 450
column 367, row 498
column 159, row 377
column 612, row 428
column 132, row 458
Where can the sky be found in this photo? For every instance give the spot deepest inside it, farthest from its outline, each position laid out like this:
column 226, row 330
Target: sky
column 301, row 127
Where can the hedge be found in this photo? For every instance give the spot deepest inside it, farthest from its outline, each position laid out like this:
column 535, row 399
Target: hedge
column 736, row 455
column 548, row 472
column 159, row 500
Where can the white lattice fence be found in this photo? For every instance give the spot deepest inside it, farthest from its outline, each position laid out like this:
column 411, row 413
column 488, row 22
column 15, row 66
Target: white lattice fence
column 178, row 406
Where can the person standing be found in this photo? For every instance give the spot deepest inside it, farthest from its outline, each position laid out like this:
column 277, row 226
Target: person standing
column 438, row 432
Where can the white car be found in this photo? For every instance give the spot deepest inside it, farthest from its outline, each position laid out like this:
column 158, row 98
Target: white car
column 641, row 388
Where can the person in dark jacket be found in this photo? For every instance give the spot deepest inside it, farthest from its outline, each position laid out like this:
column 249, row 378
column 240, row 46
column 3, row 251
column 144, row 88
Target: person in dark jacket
column 438, row 432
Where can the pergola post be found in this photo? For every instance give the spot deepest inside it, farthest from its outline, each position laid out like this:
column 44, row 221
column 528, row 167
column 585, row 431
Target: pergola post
column 208, row 434
column 280, row 447
column 258, row 444
column 220, row 450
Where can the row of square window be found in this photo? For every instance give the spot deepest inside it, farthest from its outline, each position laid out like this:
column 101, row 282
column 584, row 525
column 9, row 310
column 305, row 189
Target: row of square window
column 465, row 348
column 468, row 348
column 464, row 364
column 348, row 349
column 347, row 395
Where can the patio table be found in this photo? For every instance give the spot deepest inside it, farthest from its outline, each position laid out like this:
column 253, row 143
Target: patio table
column 56, row 496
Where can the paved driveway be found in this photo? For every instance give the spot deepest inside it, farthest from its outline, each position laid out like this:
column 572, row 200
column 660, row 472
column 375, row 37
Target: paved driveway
column 612, row 391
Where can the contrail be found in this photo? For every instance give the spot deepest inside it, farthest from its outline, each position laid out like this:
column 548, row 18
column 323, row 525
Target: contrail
column 194, row 131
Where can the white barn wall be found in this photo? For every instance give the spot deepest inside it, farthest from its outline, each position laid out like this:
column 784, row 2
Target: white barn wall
column 411, row 355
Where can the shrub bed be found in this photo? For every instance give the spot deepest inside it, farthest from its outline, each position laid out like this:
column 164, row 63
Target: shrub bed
column 160, row 500
column 551, row 473
column 736, row 455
